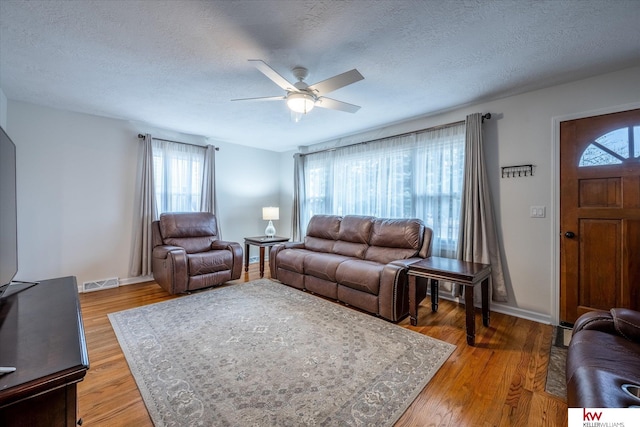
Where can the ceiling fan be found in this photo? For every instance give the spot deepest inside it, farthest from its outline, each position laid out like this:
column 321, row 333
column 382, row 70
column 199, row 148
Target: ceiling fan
column 301, row 97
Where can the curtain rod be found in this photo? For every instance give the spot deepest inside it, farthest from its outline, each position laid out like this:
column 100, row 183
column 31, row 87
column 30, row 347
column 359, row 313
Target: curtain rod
column 140, row 136
column 484, row 116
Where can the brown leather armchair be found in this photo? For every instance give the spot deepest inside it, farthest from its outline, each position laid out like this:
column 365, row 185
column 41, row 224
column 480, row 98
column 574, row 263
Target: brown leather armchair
column 187, row 254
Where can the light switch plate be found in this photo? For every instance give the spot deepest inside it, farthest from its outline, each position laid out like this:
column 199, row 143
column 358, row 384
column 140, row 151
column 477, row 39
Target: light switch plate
column 537, row 211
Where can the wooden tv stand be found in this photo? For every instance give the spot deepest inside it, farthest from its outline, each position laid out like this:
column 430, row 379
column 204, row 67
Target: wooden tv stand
column 42, row 336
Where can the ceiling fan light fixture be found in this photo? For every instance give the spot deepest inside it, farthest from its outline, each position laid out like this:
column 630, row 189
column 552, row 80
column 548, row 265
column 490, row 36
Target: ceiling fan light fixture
column 300, row 102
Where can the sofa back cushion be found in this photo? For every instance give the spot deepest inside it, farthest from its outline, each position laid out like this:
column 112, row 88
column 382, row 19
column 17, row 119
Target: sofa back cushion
column 353, row 236
column 193, row 231
column 393, row 239
column 322, row 233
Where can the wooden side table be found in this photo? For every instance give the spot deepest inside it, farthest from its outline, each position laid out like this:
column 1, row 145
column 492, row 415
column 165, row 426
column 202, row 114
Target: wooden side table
column 468, row 274
column 262, row 242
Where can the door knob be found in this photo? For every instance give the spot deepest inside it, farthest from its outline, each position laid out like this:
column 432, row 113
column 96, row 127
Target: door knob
column 569, row 235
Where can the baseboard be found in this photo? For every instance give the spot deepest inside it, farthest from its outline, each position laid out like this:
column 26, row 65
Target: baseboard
column 121, row 282
column 134, row 280
column 505, row 309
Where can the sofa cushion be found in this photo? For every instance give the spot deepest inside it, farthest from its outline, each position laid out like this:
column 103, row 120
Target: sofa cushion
column 317, row 244
column 323, row 265
column 361, row 275
column 397, row 233
column 324, row 226
column 393, row 239
column 355, row 228
column 209, row 262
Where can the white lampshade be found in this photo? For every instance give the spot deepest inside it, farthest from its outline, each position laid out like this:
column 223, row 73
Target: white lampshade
column 300, row 102
column 270, row 213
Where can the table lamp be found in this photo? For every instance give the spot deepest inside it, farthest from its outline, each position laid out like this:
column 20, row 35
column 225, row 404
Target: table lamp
column 269, row 214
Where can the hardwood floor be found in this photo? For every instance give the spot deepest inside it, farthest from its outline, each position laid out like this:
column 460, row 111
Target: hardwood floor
column 499, row 382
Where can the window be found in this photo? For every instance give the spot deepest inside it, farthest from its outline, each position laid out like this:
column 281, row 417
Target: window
column 412, row 176
column 613, row 148
column 177, row 173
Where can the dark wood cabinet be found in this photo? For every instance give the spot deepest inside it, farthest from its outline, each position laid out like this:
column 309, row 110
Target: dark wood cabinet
column 42, row 336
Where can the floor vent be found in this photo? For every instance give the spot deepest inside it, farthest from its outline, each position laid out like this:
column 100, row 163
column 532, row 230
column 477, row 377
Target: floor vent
column 97, row 285
column 253, row 259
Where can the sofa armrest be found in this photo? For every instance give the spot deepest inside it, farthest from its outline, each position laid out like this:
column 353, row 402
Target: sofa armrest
column 236, row 250
column 405, row 262
column 393, row 296
column 618, row 321
column 273, row 254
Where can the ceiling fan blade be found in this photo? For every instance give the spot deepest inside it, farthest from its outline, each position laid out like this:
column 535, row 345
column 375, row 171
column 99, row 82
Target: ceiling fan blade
column 334, row 104
column 336, row 82
column 273, row 75
column 264, row 98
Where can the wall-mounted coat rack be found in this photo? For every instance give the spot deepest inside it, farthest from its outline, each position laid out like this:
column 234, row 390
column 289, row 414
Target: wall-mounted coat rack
column 517, row 171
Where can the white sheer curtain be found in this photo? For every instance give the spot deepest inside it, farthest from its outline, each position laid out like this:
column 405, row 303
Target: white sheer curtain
column 411, row 176
column 178, row 171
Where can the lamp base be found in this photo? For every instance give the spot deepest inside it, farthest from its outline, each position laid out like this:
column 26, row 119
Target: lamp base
column 270, row 231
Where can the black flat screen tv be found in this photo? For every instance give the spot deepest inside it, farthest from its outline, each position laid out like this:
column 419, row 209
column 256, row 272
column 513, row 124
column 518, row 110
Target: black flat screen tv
column 8, row 210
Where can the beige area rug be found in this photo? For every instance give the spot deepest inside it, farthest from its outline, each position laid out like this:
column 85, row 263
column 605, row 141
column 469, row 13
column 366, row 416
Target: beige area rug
column 556, row 372
column 264, row 354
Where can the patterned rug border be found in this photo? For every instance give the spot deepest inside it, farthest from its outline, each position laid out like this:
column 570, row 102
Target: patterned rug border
column 148, row 396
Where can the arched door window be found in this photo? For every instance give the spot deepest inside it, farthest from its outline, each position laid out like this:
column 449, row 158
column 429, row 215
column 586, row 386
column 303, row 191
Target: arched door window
column 613, row 148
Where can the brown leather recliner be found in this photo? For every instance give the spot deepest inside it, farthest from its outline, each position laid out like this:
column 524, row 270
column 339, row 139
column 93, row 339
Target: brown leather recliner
column 187, row 254
column 603, row 360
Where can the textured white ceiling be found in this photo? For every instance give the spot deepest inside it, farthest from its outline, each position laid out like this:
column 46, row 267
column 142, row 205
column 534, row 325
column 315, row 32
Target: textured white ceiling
column 177, row 64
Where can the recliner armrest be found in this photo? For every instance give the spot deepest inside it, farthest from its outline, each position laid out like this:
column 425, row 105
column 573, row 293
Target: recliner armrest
column 221, row 245
column 618, row 321
column 163, row 251
column 236, row 250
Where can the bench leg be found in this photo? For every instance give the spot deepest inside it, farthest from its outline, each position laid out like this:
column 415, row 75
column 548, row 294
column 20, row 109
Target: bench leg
column 471, row 318
column 485, row 302
column 434, row 295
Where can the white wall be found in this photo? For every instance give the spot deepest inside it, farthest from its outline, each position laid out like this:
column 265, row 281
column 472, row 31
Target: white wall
column 521, row 132
column 76, row 189
column 3, row 110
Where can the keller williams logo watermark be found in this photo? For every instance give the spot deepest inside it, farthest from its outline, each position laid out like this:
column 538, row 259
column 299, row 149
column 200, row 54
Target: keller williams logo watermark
column 604, row 417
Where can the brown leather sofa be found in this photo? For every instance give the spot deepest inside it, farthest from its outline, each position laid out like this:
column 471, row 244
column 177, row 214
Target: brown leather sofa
column 187, row 254
column 358, row 260
column 603, row 360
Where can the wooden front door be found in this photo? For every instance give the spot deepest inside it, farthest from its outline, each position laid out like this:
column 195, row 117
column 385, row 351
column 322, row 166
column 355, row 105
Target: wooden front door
column 599, row 214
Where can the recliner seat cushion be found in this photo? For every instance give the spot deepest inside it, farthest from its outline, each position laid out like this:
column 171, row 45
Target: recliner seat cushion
column 209, row 262
column 361, row 275
column 323, row 266
column 293, row 259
